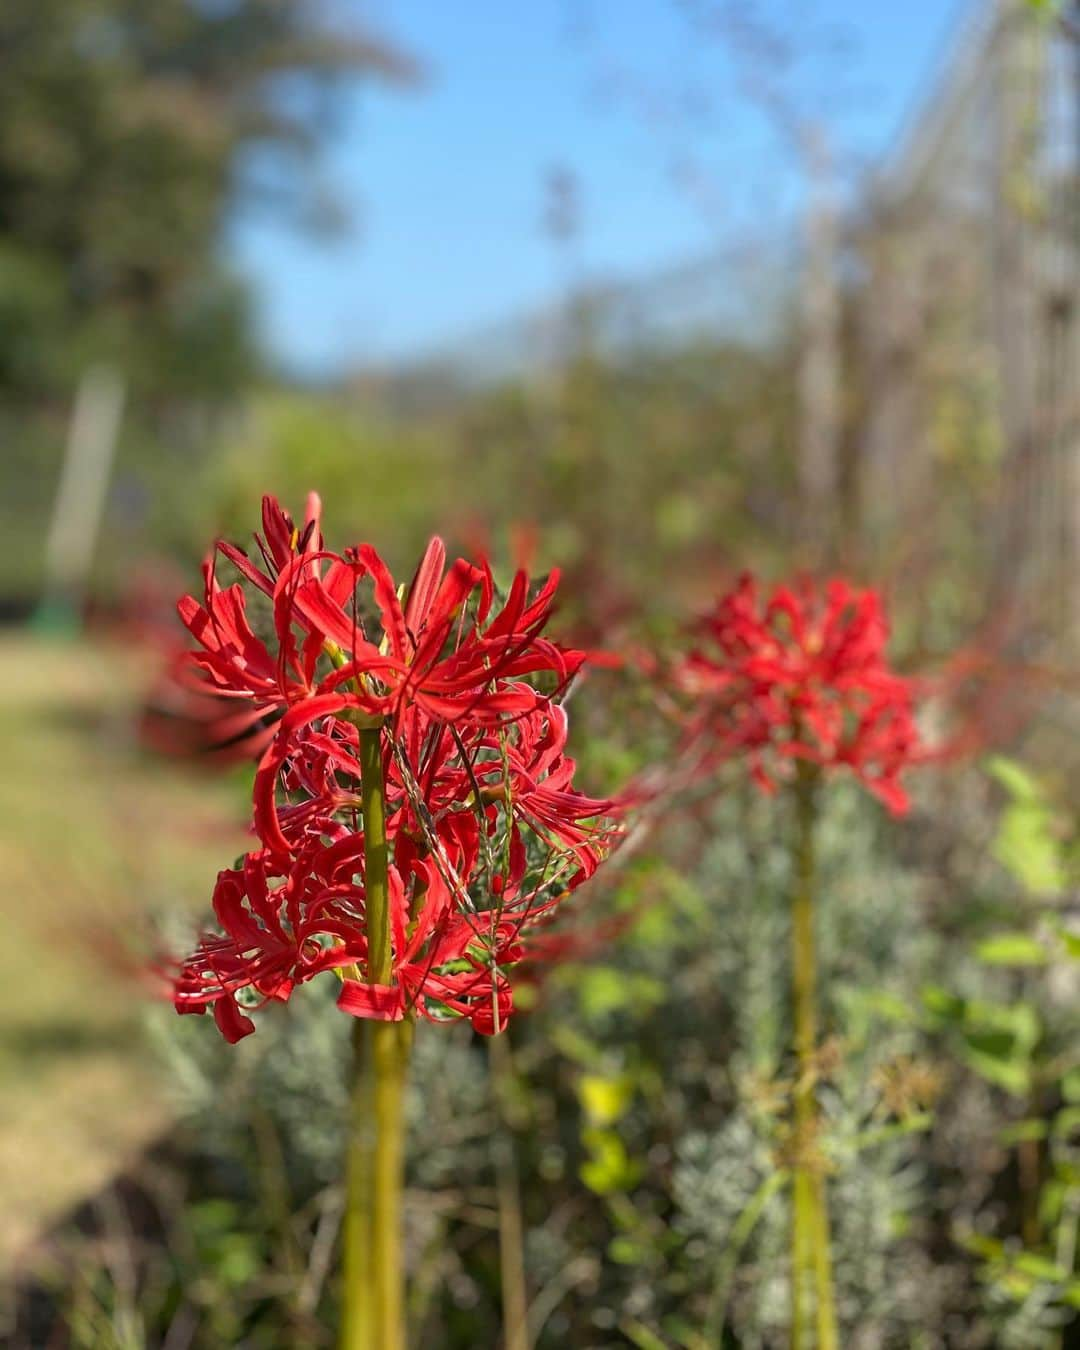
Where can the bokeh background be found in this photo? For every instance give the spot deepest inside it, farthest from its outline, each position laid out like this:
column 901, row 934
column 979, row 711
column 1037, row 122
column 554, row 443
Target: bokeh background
column 654, row 291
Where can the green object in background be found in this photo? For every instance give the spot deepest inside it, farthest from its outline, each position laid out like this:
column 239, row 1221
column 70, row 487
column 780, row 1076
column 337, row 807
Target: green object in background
column 1028, row 843
column 56, row 617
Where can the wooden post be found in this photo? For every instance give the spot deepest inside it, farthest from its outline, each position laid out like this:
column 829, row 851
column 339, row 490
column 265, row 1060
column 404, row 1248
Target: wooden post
column 80, row 496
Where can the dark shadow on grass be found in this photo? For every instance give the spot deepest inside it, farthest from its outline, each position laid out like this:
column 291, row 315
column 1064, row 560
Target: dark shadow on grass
column 56, row 1039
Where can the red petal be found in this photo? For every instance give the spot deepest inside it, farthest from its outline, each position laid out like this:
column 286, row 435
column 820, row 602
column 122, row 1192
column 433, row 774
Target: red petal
column 266, row 818
column 393, row 621
column 425, row 585
column 383, row 1002
column 232, row 1023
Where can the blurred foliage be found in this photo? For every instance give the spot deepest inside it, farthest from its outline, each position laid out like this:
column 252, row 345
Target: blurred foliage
column 647, row 1094
column 648, row 1097
column 569, row 466
column 392, row 481
column 130, row 135
column 1030, row 1045
column 128, row 132
column 574, row 462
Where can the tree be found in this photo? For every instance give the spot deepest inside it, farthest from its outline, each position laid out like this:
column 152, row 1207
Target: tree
column 129, row 130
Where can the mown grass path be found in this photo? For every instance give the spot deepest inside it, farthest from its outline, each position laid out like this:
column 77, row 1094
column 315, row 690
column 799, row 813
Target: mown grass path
column 95, row 837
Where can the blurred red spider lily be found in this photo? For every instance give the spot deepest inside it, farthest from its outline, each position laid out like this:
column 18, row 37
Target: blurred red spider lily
column 802, row 674
column 486, row 834
column 186, row 718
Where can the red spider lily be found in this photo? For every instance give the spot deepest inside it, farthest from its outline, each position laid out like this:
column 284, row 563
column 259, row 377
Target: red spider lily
column 278, row 931
column 459, row 975
column 279, row 543
column 802, row 674
column 236, row 663
column 438, row 658
column 441, row 653
column 486, row 832
column 535, row 783
column 282, row 928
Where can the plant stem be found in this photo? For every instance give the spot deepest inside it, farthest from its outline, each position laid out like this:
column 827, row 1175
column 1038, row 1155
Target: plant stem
column 357, row 1312
column 739, row 1235
column 391, row 1042
column 373, row 1305
column 1029, row 1163
column 801, row 1219
column 826, row 1308
column 380, row 962
column 511, row 1227
column 810, row 1243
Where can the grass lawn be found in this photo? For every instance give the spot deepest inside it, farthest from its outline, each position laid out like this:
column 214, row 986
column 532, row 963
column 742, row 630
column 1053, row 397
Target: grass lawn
column 95, row 836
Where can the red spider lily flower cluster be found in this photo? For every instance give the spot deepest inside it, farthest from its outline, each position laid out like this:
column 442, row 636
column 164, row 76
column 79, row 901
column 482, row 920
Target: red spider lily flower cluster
column 802, row 674
column 486, row 833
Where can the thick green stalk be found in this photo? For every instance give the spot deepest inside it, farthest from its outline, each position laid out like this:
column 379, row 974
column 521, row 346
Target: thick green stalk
column 828, row 1337
column 391, row 1042
column 380, row 962
column 357, row 1310
column 373, row 1316
column 801, row 1238
column 511, row 1225
column 810, row 1243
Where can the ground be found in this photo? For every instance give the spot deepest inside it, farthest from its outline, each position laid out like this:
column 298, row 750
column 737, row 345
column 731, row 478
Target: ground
column 99, row 841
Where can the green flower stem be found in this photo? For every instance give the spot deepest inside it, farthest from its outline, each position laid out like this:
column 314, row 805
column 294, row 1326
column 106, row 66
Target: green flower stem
column 357, row 1315
column 801, row 1227
column 376, row 857
column 810, row 1242
column 373, row 1304
column 511, row 1223
column 391, row 1043
column 823, row 1277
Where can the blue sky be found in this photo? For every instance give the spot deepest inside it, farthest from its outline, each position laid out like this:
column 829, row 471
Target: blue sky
column 657, row 114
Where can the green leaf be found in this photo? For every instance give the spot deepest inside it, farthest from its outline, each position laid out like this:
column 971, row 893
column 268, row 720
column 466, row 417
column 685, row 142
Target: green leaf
column 997, row 1041
column 1020, row 1020
column 1026, row 848
column 1023, row 1132
column 1040, row 1268
column 638, row 1334
column 1014, row 778
column 979, row 1244
column 605, row 1099
column 889, row 1007
column 1051, row 1202
column 627, row 1251
column 1066, row 1123
column 1014, row 1078
column 1070, row 941
column 900, row 1129
column 1012, row 949
column 604, row 991
column 942, row 1004
column 609, row 1168
column 1067, row 1173
column 576, row 1046
column 1026, row 843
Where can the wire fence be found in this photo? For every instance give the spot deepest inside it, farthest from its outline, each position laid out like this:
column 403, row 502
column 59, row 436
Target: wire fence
column 966, row 351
